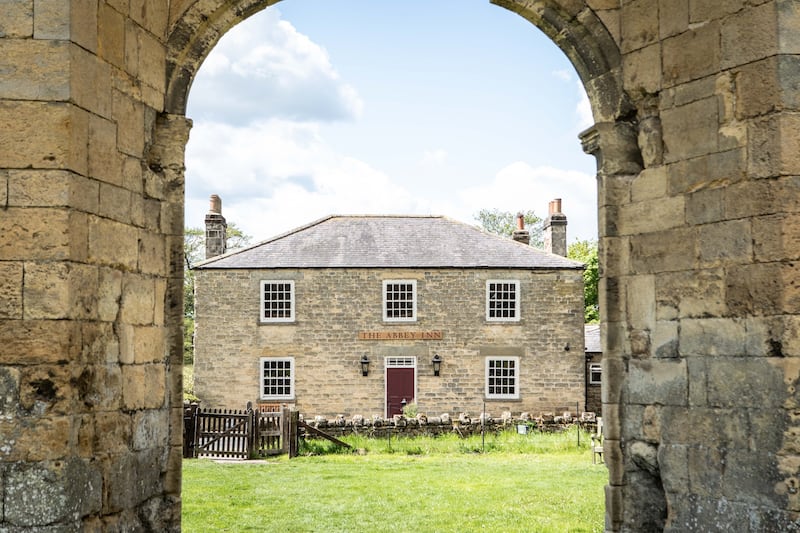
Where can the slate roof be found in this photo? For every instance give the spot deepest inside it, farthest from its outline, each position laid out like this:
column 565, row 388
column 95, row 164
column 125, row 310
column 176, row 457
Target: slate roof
column 388, row 241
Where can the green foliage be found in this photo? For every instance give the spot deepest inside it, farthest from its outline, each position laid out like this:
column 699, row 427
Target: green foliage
column 410, row 410
column 508, row 441
column 188, row 383
column 497, row 491
column 505, row 222
column 586, row 252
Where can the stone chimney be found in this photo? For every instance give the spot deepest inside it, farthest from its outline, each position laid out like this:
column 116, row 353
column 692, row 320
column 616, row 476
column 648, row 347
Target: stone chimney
column 216, row 228
column 555, row 230
column 521, row 234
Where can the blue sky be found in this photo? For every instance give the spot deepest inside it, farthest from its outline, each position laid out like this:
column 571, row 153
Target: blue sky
column 318, row 107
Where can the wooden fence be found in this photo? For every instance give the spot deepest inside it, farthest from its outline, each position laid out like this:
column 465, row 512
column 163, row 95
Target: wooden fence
column 239, row 434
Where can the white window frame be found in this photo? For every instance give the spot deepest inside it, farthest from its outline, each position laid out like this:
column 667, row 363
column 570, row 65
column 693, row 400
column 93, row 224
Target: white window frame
column 515, row 377
column 595, row 368
column 413, row 283
column 262, row 378
column 518, row 297
column 263, row 302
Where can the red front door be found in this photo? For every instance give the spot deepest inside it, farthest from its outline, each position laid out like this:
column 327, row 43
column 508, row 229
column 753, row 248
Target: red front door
column 399, row 387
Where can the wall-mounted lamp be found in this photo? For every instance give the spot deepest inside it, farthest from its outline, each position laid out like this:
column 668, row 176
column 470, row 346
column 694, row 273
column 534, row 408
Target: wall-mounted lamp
column 364, row 365
column 437, row 364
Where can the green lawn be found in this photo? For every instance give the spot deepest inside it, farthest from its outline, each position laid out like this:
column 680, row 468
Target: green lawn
column 406, row 489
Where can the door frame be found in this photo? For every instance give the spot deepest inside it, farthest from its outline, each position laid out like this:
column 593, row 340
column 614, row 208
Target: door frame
column 408, row 361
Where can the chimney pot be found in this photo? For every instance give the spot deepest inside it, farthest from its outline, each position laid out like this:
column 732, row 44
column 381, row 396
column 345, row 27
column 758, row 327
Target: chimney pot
column 215, row 204
column 520, row 221
column 216, row 228
column 555, row 230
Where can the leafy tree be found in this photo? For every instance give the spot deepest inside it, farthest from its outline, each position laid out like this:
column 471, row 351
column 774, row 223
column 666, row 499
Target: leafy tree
column 586, row 252
column 194, row 251
column 505, row 222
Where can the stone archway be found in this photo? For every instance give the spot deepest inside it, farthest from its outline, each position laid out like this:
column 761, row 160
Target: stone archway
column 696, row 140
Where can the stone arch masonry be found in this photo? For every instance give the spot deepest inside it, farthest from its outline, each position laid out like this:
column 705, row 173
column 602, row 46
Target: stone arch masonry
column 696, row 108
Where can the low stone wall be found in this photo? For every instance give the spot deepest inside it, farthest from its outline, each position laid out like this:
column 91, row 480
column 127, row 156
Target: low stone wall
column 464, row 425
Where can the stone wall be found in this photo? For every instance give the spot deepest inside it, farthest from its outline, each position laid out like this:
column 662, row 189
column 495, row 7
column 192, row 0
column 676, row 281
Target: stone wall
column 462, row 425
column 334, row 305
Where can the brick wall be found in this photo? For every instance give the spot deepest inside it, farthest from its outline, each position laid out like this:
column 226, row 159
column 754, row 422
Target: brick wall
column 334, row 305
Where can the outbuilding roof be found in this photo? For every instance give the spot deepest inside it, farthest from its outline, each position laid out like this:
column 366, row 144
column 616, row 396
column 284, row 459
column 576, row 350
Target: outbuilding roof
column 389, row 241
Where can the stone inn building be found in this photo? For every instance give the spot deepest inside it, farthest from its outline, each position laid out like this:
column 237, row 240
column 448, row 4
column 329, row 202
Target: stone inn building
column 361, row 315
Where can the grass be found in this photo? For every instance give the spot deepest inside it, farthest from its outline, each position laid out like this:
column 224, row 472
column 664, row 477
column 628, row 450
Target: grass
column 420, row 485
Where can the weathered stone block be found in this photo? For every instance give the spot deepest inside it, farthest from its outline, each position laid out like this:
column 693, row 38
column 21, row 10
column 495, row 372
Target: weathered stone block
column 661, row 381
column 749, row 35
column 138, row 302
column 712, row 336
column 17, row 19
column 134, row 387
column 773, row 146
column 151, row 56
column 46, row 439
column 105, row 164
column 60, row 131
column 111, row 35
column 673, row 17
column 45, row 78
column 664, row 251
column 707, row 171
column 641, row 301
column 149, row 344
column 47, row 291
column 673, row 461
column 767, row 85
column 11, row 275
column 704, row 11
column 52, row 20
column 651, row 184
column 744, row 382
column 40, row 494
column 691, row 55
column 777, row 238
column 690, row 130
column 131, row 479
column 112, row 243
column 763, row 289
column 639, row 24
column 725, row 243
column 705, row 206
column 642, row 69
column 673, row 290
column 651, row 215
column 150, row 429
column 33, row 342
column 127, row 110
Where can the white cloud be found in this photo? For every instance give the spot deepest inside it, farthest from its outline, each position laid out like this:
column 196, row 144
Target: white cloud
column 267, row 69
column 434, row 158
column 520, row 187
column 276, row 175
column 563, row 74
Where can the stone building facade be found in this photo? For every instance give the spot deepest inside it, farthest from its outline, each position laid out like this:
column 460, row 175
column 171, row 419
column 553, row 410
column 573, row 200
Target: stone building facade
column 697, row 113
column 342, row 275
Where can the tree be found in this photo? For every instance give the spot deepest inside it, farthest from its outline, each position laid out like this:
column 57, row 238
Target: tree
column 194, row 251
column 586, row 252
column 505, row 222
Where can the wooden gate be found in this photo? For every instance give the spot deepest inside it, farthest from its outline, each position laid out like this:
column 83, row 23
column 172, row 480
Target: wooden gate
column 237, row 434
column 271, row 430
column 223, row 433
